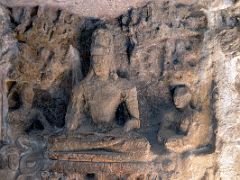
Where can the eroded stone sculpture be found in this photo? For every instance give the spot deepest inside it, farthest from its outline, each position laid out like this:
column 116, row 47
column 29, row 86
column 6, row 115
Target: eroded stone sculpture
column 77, row 93
column 185, row 135
column 91, row 116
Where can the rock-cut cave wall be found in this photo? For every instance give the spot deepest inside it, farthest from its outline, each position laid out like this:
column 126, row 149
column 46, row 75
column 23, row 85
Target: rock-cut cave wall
column 183, row 59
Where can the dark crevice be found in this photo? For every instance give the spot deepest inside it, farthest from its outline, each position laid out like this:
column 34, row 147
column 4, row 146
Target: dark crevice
column 199, row 151
column 34, row 11
column 162, row 61
column 130, row 47
column 28, row 27
column 14, row 100
column 51, row 35
column 122, row 114
column 180, row 5
column 122, row 74
column 124, row 20
column 10, row 85
column 58, row 16
column 36, row 125
column 196, row 14
column 13, row 22
column 214, row 118
column 90, row 176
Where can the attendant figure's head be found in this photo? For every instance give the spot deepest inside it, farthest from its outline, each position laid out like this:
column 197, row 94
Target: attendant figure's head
column 181, row 97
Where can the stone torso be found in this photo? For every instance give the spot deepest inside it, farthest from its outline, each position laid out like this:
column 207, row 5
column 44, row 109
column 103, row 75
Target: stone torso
column 102, row 99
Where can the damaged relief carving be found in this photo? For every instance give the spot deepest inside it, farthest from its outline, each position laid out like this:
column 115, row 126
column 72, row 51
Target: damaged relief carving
column 130, row 97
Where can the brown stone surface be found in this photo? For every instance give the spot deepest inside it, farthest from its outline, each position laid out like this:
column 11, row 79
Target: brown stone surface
column 92, row 8
column 104, row 91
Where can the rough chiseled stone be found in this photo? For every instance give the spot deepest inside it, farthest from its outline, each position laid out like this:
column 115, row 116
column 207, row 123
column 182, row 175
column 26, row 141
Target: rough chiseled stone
column 174, row 67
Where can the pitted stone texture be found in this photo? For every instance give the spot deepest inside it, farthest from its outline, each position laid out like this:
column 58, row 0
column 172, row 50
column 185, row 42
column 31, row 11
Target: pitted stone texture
column 227, row 103
column 8, row 53
column 91, row 8
column 158, row 48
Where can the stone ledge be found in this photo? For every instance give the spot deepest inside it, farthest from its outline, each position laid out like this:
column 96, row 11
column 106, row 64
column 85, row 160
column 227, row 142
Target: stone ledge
column 106, row 168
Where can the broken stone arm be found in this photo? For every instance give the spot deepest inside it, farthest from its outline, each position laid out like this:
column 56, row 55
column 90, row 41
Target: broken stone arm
column 132, row 106
column 75, row 112
column 195, row 138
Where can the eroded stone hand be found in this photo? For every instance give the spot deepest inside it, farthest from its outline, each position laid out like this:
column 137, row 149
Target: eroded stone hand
column 174, row 144
column 184, row 126
column 132, row 124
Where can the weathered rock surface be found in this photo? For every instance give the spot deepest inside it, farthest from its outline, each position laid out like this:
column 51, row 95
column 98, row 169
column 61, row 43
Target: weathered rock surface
column 91, row 8
column 183, row 59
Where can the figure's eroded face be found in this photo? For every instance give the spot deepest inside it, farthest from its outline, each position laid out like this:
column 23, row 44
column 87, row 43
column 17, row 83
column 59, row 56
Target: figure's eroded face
column 182, row 97
column 100, row 59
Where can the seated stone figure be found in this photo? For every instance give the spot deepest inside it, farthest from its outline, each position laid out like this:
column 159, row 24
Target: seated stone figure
column 92, row 132
column 192, row 132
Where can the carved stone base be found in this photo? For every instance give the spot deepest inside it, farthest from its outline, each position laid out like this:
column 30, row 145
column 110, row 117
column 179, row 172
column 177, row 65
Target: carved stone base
column 99, row 157
column 88, row 170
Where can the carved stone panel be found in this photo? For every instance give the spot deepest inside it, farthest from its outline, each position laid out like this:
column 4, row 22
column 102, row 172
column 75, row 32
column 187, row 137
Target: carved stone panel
column 129, row 97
